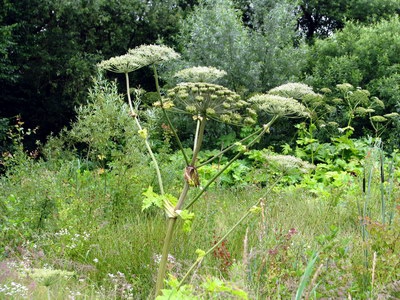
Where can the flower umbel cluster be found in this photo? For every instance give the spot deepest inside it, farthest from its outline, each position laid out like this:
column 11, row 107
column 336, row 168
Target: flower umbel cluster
column 121, row 64
column 209, row 100
column 279, row 106
column 153, row 54
column 287, row 163
column 138, row 57
column 200, row 74
column 293, row 90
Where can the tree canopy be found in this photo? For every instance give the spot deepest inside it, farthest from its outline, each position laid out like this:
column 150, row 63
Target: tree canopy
column 50, row 49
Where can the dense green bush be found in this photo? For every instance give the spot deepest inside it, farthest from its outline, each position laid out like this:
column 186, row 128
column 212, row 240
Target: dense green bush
column 254, row 59
column 364, row 56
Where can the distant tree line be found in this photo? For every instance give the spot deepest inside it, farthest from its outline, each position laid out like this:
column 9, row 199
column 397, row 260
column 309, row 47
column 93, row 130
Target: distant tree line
column 49, row 49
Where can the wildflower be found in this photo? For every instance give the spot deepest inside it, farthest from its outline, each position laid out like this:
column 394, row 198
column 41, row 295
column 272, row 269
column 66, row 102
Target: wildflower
column 292, row 90
column 138, row 58
column 207, row 100
column 288, row 163
column 157, row 259
column 345, row 87
column 121, row 64
column 279, row 106
column 200, row 74
column 379, row 119
column 95, row 260
column 326, row 90
column 391, row 115
column 14, row 289
column 143, row 133
column 378, row 102
column 153, row 54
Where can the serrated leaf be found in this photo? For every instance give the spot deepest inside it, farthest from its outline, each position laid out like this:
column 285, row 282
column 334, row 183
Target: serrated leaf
column 172, row 199
column 151, row 198
column 187, row 217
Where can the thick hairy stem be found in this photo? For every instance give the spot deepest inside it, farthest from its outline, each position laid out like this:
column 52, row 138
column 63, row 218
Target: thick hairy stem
column 128, row 93
column 164, row 256
column 146, row 141
column 201, row 124
column 167, row 118
column 172, row 221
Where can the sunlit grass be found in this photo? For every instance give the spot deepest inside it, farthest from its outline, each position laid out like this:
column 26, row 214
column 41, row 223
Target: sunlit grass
column 268, row 252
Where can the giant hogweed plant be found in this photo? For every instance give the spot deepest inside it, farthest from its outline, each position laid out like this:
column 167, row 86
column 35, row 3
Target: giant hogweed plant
column 205, row 101
column 333, row 113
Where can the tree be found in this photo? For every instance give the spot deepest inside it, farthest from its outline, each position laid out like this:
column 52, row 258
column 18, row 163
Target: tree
column 213, row 35
column 320, row 18
column 364, row 56
column 51, row 49
column 255, row 57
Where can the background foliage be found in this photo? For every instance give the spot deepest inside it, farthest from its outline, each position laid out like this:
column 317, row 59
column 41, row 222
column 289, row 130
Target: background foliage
column 364, row 56
column 74, row 204
column 50, row 49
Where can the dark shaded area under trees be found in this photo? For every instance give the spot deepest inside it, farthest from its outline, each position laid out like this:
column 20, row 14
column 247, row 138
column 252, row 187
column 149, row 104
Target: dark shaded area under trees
column 50, row 50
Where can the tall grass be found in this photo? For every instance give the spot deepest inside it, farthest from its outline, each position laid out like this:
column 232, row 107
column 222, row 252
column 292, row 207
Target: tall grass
column 275, row 260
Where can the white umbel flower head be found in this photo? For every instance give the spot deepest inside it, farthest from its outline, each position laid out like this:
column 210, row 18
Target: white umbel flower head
column 153, row 54
column 138, row 58
column 121, row 64
column 289, row 163
column 279, row 106
column 200, row 74
column 293, row 90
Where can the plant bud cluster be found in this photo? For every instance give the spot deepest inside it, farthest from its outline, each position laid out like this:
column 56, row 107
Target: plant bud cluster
column 279, row 106
column 212, row 101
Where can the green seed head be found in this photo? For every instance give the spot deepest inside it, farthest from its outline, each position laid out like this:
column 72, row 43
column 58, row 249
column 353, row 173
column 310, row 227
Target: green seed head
column 210, row 111
column 209, row 99
column 199, row 98
column 249, row 121
column 191, row 109
column 378, row 119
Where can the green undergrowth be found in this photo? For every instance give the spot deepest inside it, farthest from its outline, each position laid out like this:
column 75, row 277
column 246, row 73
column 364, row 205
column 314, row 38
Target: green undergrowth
column 90, row 223
column 82, row 220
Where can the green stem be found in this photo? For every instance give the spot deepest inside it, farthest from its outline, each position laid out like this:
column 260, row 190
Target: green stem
column 167, row 118
column 229, row 148
column 128, row 93
column 382, row 183
column 146, row 141
column 172, row 221
column 164, row 257
column 201, row 124
column 263, row 131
